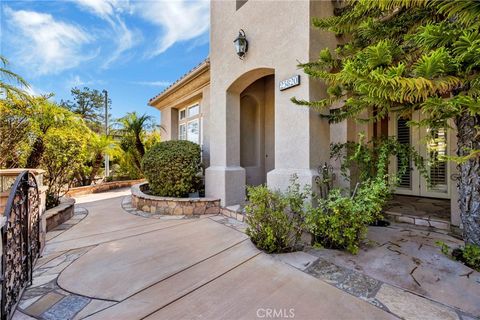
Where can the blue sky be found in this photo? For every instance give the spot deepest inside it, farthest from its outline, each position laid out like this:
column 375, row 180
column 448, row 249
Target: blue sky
column 133, row 49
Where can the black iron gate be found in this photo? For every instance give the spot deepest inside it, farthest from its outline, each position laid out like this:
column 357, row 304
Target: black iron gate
column 20, row 241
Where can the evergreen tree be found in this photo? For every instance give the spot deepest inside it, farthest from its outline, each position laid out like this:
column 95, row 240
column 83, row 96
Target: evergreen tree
column 409, row 55
column 7, row 77
column 89, row 104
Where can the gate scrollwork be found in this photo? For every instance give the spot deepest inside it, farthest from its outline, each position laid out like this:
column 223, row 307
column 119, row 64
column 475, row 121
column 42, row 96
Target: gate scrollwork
column 20, row 240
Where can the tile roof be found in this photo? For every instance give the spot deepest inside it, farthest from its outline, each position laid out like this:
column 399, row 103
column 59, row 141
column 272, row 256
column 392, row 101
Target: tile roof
column 204, row 62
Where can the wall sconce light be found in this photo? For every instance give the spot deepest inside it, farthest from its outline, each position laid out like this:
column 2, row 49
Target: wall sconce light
column 241, row 44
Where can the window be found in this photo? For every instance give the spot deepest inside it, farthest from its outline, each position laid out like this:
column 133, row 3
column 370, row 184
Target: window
column 193, row 131
column 193, row 110
column 181, row 114
column 189, row 124
column 182, row 132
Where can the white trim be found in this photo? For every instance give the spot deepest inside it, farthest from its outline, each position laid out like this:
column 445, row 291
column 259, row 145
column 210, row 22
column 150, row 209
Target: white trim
column 418, row 141
column 180, row 114
column 188, row 119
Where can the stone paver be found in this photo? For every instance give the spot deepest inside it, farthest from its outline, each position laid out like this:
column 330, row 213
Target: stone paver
column 408, row 257
column 44, row 303
column 155, row 268
column 408, row 306
column 66, row 308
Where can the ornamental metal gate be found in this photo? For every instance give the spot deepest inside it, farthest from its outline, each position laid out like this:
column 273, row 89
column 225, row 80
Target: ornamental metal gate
column 20, row 241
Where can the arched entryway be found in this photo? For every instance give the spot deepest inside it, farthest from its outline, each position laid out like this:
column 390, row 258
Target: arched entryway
column 242, row 151
column 257, row 131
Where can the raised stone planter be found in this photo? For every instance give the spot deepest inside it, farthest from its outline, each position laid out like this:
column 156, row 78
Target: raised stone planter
column 172, row 206
column 59, row 214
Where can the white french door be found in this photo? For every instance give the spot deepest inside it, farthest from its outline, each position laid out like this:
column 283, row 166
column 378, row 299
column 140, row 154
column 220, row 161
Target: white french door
column 432, row 149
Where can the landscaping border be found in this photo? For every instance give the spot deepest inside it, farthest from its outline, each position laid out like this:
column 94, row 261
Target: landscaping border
column 102, row 187
column 59, row 214
column 172, row 206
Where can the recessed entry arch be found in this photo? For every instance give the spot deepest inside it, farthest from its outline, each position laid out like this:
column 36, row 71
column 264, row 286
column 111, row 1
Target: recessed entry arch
column 254, row 94
column 249, row 77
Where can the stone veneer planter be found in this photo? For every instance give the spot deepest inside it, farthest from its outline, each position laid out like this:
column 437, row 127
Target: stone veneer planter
column 172, row 206
column 59, row 214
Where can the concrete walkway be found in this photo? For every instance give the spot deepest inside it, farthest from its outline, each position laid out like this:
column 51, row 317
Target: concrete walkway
column 109, row 264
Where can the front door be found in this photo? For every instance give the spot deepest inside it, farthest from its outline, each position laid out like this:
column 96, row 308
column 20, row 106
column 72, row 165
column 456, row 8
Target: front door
column 412, row 182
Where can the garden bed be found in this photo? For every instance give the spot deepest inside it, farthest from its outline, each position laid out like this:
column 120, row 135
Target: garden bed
column 142, row 200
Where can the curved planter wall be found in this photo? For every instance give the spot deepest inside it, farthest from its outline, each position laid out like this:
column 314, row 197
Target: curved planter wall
column 172, row 206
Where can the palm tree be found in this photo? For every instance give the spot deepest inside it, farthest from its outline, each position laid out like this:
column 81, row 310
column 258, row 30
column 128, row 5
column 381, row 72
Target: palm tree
column 133, row 128
column 99, row 146
column 46, row 115
column 7, row 77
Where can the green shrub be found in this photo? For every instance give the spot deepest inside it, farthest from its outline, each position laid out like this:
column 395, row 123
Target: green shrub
column 469, row 254
column 370, row 160
column 172, row 168
column 342, row 221
column 275, row 219
column 63, row 155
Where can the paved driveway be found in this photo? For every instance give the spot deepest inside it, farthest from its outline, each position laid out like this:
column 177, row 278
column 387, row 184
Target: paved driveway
column 109, row 264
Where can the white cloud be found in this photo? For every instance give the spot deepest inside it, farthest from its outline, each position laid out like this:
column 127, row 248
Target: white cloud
column 45, row 45
column 160, row 83
column 77, row 81
column 105, row 8
column 110, row 11
column 101, row 8
column 179, row 20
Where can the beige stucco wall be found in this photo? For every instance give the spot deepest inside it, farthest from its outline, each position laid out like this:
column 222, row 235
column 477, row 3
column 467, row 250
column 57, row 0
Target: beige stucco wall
column 276, row 45
column 205, row 111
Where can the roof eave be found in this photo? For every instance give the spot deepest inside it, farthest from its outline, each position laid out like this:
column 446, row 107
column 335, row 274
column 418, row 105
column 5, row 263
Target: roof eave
column 179, row 83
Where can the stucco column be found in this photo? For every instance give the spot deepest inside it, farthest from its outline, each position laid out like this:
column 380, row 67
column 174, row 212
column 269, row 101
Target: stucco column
column 341, row 133
column 169, row 122
column 302, row 139
column 225, row 178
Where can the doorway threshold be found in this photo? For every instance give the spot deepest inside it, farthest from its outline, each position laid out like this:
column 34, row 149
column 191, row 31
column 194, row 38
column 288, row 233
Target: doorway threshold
column 428, row 212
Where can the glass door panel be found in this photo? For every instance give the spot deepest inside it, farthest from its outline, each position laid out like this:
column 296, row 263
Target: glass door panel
column 435, row 149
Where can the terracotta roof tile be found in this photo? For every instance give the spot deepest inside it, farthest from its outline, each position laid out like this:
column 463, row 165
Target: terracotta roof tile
column 207, row 60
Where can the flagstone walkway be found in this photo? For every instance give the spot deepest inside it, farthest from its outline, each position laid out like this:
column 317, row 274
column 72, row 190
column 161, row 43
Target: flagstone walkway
column 107, row 263
column 110, row 261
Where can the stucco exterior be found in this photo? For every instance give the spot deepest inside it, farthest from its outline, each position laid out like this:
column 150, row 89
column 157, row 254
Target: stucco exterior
column 251, row 131
column 276, row 45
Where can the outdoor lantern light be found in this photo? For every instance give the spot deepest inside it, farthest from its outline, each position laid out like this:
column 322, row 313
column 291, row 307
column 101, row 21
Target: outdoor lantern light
column 241, row 44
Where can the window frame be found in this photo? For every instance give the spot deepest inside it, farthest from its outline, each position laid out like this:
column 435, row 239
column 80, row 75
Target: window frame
column 188, row 119
column 184, row 135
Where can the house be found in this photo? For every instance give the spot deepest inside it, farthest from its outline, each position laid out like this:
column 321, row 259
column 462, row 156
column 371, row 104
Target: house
column 240, row 112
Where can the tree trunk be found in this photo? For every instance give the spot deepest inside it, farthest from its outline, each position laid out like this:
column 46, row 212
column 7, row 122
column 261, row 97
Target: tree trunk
column 140, row 147
column 468, row 136
column 97, row 163
column 36, row 155
column 137, row 162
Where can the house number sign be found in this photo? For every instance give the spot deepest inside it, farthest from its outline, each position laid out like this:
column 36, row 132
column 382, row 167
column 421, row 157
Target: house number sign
column 290, row 82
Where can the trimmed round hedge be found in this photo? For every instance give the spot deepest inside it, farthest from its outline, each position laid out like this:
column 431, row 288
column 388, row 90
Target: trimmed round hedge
column 172, row 167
